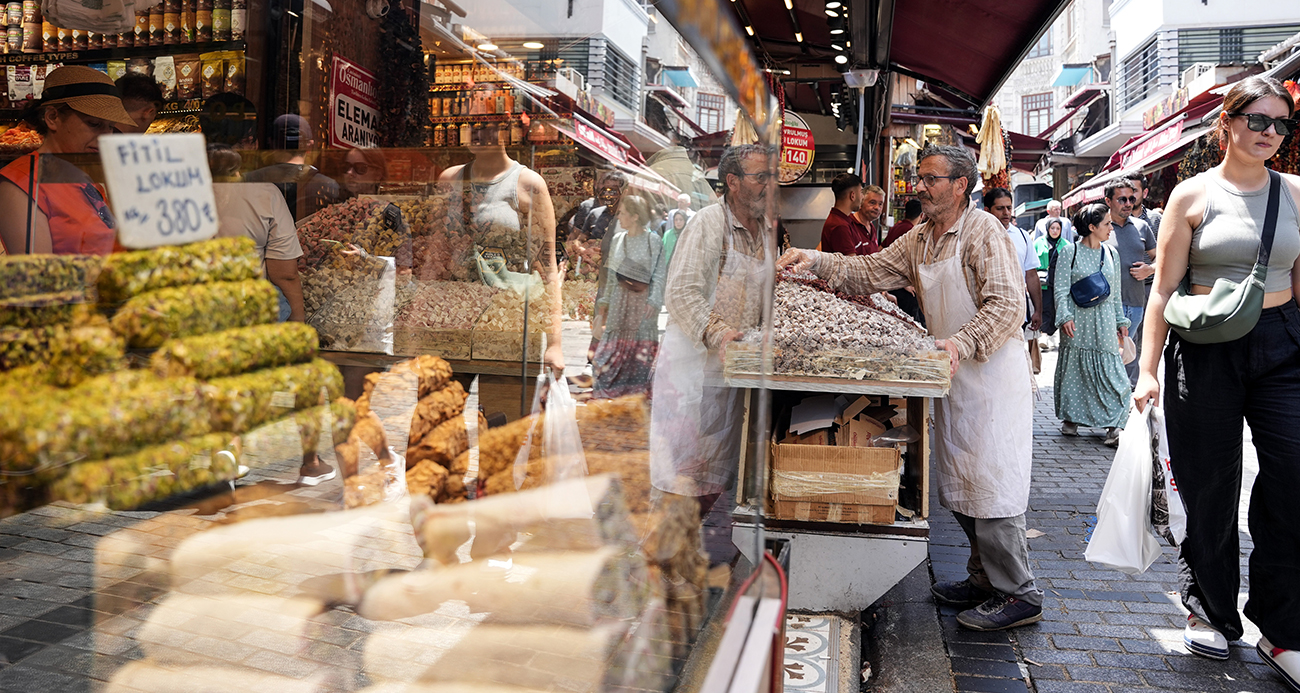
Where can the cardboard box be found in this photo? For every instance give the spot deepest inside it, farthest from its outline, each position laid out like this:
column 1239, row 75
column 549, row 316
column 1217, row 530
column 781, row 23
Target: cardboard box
column 826, row 483
column 857, row 432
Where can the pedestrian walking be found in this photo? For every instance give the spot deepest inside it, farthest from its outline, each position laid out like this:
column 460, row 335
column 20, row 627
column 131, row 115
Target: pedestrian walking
column 1136, row 244
column 971, row 287
column 1048, row 249
column 628, row 313
column 1214, row 228
column 1090, row 385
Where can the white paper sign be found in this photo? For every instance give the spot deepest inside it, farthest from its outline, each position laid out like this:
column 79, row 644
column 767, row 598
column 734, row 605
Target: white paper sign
column 160, row 187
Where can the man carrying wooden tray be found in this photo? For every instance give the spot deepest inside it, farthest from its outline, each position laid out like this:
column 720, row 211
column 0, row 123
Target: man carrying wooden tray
column 971, row 290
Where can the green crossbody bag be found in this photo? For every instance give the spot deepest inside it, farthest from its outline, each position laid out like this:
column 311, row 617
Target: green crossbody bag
column 1231, row 309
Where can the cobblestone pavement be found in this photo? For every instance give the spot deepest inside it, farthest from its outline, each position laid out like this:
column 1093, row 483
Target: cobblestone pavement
column 1102, row 631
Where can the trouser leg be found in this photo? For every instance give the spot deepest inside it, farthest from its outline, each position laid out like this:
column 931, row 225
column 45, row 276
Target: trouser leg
column 1273, row 413
column 974, row 567
column 1135, row 315
column 1000, row 553
column 1204, row 402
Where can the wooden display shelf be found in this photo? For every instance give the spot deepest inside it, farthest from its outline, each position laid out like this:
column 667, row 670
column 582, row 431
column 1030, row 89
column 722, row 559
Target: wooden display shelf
column 801, row 383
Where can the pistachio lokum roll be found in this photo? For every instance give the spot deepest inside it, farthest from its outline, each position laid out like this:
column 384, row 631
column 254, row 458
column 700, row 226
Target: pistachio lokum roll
column 27, row 278
column 236, row 351
column 153, row 473
column 152, row 318
column 218, row 260
column 71, row 351
column 242, row 402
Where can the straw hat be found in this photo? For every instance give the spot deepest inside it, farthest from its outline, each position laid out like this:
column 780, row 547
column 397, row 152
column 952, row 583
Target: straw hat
column 87, row 91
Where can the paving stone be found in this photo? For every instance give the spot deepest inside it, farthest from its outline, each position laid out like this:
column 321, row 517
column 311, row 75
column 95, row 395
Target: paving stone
column 1079, row 642
column 1054, row 656
column 963, row 684
column 29, row 678
column 1070, row 687
column 1103, row 675
column 985, row 667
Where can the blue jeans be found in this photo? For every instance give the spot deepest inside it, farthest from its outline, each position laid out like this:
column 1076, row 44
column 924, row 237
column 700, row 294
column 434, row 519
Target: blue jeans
column 1134, row 315
column 285, row 309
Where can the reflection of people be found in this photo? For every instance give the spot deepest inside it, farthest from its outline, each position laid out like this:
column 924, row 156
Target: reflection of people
column 141, row 98
column 305, row 188
column 69, row 215
column 1136, row 244
column 1090, row 385
column 972, row 290
column 365, row 170
column 1211, row 230
column 628, row 314
column 714, row 294
column 229, row 119
column 258, row 211
column 506, row 207
column 674, row 164
column 677, row 223
column 842, row 232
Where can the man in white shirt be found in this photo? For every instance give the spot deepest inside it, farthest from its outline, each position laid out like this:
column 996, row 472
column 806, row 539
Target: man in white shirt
column 998, row 202
column 1054, row 212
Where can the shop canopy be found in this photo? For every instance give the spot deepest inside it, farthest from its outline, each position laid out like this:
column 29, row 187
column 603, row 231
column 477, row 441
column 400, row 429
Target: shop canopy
column 963, row 49
column 1070, row 75
column 680, row 77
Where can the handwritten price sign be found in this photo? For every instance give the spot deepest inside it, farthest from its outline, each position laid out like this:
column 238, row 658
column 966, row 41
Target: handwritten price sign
column 161, row 188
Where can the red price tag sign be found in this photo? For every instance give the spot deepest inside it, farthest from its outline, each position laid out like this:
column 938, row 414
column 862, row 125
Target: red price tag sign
column 797, row 149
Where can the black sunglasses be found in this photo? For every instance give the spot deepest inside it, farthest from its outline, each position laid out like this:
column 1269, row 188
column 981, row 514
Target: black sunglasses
column 1258, row 122
column 1124, row 198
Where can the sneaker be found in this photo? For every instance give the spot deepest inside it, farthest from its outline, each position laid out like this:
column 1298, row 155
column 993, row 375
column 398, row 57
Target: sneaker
column 315, row 473
column 1000, row 612
column 1284, row 662
column 1112, row 437
column 1202, row 639
column 962, row 593
column 1069, row 428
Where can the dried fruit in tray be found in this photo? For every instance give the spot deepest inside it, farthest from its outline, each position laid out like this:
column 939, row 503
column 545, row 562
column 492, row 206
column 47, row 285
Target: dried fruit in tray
column 241, row 402
column 150, row 474
column 152, row 318
column 44, row 279
column 71, row 351
column 442, row 304
column 326, row 233
column 217, row 260
column 104, row 416
column 235, row 351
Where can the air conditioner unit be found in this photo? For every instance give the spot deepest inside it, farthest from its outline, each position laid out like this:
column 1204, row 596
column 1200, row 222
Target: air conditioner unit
column 1193, row 71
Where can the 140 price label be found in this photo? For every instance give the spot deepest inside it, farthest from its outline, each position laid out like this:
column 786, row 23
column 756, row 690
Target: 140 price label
column 161, row 188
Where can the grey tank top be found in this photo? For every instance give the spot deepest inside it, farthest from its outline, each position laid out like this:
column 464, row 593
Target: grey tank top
column 1226, row 244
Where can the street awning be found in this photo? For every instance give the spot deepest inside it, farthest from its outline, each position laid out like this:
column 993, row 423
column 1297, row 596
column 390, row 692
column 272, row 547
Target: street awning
column 680, row 77
column 1151, row 154
column 1030, row 207
column 1047, row 131
column 1068, row 76
column 1085, row 93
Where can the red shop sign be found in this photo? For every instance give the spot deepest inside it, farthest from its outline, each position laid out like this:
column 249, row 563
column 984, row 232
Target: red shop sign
column 796, row 149
column 597, row 141
column 354, row 109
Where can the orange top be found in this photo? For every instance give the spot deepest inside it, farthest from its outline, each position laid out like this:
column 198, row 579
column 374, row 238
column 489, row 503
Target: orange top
column 79, row 218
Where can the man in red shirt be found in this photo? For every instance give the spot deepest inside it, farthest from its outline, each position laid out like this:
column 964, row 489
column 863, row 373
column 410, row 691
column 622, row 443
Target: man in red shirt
column 843, row 233
column 873, row 205
column 911, row 215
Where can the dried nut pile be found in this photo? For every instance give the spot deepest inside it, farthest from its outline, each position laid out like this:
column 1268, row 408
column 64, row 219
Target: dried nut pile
column 579, row 298
column 505, row 313
column 325, row 234
column 442, row 305
column 242, row 402
column 349, row 303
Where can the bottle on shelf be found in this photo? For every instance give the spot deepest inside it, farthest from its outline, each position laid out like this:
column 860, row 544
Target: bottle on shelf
column 516, row 132
column 464, row 134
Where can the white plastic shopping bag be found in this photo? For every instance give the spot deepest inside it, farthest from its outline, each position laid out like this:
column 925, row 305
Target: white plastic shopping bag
column 1168, row 515
column 561, row 445
column 1123, row 538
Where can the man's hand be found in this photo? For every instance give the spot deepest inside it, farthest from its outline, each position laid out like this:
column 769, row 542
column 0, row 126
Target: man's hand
column 1141, row 270
column 889, row 297
column 727, row 338
column 1068, row 329
column 798, row 259
column 953, row 357
column 1036, row 321
column 554, row 359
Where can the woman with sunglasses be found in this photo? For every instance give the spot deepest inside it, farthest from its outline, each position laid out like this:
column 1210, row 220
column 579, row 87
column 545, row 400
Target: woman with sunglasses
column 68, row 214
column 1212, row 229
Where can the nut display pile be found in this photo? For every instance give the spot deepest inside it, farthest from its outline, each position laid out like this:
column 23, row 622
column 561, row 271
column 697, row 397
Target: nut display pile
column 218, row 260
column 505, row 312
column 442, row 305
column 326, row 233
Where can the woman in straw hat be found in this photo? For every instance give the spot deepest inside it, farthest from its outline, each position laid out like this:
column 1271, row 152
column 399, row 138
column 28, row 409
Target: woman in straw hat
column 69, row 215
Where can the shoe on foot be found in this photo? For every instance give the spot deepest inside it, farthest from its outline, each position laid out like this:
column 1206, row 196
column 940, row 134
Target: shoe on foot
column 1000, row 612
column 962, row 593
column 315, row 473
column 1284, row 662
column 1202, row 639
column 1112, row 437
column 1069, row 428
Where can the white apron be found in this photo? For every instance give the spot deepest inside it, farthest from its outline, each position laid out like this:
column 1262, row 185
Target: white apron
column 695, row 426
column 983, row 429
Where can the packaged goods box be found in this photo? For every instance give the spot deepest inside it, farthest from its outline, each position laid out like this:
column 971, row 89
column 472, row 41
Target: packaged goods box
column 833, row 483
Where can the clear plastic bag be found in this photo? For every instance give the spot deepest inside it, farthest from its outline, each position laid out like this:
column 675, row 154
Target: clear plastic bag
column 1123, row 538
column 1168, row 515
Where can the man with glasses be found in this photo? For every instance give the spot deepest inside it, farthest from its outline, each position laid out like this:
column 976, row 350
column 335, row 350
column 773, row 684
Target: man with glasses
column 719, row 276
column 1136, row 244
column 972, row 291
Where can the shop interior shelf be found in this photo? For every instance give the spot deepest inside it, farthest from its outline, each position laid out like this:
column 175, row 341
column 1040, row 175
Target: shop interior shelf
column 106, row 54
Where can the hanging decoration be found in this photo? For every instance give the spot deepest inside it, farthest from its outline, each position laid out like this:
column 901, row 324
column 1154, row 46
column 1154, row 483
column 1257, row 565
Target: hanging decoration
column 994, row 150
column 403, row 81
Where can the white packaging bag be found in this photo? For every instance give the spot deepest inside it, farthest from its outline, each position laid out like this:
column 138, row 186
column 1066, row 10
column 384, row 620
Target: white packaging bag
column 1123, row 538
column 1164, row 491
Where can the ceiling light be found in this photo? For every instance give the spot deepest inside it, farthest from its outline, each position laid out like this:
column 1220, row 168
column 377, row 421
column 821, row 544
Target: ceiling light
column 841, row 59
column 848, row 44
column 789, row 5
column 832, row 13
column 487, row 46
column 749, row 30
column 798, row 36
column 534, row 45
column 837, row 25
column 833, row 4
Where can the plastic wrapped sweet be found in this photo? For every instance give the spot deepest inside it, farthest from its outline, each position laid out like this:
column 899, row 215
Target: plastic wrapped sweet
column 108, row 415
column 235, row 351
column 70, row 352
column 150, row 319
column 217, row 260
column 239, row 403
column 153, row 473
column 27, row 277
column 52, row 313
